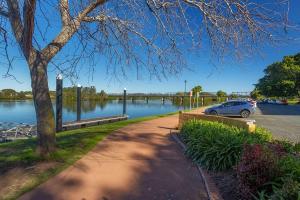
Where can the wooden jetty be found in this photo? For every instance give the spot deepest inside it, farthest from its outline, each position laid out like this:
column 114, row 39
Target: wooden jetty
column 92, row 122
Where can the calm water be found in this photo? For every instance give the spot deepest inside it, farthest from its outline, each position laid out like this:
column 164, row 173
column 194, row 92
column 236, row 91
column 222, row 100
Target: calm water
column 23, row 111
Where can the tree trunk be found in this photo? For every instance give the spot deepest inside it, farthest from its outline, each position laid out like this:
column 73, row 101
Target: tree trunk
column 43, row 107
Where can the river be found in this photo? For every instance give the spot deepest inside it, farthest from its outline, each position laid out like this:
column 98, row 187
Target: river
column 23, row 111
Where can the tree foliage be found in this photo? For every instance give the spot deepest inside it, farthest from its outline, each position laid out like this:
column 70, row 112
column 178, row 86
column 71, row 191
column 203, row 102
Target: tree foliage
column 221, row 93
column 197, row 89
column 87, row 93
column 255, row 94
column 281, row 79
column 12, row 94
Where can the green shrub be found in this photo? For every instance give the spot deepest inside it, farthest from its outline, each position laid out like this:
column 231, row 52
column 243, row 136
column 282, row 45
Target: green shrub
column 257, row 169
column 290, row 189
column 290, row 165
column 268, row 172
column 266, row 168
column 217, row 146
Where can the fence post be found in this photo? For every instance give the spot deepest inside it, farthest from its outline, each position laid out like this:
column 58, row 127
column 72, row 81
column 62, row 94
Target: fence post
column 78, row 102
column 124, row 102
column 59, row 90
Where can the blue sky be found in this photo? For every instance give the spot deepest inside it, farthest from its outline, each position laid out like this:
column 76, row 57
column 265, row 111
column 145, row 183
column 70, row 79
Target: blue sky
column 207, row 72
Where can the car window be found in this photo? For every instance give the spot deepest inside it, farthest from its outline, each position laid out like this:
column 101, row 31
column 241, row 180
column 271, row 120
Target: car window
column 228, row 104
column 238, row 103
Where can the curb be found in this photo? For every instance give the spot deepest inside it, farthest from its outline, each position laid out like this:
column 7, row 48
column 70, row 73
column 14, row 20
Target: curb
column 211, row 188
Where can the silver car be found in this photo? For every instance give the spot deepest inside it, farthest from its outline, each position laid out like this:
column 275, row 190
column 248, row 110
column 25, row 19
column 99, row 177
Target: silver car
column 232, row 108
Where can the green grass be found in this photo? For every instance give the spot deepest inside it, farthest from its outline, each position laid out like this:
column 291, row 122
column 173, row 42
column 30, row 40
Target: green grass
column 71, row 146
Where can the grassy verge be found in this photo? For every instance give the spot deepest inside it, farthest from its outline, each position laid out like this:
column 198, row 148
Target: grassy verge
column 71, row 146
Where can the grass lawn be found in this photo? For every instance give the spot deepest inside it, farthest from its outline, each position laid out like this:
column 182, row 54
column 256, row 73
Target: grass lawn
column 21, row 169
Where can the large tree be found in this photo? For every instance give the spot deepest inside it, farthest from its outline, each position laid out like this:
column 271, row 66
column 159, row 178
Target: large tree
column 149, row 35
column 197, row 89
column 221, row 93
column 281, row 79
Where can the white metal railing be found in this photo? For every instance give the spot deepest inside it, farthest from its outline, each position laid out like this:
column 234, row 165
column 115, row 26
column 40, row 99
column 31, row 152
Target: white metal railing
column 11, row 131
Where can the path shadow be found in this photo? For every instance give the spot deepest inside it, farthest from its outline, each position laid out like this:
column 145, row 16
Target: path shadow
column 160, row 172
column 167, row 174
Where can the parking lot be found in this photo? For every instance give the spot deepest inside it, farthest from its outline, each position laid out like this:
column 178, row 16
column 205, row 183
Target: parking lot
column 282, row 120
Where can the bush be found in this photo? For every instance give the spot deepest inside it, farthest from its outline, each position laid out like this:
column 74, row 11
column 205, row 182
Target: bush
column 265, row 168
column 290, row 190
column 257, row 169
column 269, row 172
column 217, row 146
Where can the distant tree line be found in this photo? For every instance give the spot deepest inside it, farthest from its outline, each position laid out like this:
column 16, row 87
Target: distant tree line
column 87, row 93
column 69, row 94
column 11, row 94
column 281, row 79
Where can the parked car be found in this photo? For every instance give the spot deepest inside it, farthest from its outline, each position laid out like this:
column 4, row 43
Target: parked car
column 232, row 108
column 252, row 102
column 274, row 101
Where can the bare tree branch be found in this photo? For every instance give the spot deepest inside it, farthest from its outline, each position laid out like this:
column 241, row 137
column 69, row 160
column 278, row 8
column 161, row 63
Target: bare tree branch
column 28, row 17
column 67, row 32
column 64, row 12
column 4, row 13
column 15, row 20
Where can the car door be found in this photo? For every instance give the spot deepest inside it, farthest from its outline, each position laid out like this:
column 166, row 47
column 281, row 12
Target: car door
column 236, row 108
column 226, row 108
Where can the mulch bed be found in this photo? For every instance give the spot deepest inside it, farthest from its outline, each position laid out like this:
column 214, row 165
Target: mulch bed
column 227, row 184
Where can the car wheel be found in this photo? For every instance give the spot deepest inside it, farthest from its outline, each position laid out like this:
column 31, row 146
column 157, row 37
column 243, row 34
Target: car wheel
column 213, row 112
column 245, row 113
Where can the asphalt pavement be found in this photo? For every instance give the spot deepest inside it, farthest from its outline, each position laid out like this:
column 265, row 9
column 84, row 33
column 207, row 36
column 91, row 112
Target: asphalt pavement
column 282, row 120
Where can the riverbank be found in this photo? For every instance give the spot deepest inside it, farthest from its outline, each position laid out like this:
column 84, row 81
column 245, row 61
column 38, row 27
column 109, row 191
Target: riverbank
column 21, row 169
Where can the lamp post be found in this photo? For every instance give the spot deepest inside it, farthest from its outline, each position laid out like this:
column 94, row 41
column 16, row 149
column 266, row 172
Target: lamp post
column 78, row 102
column 59, row 90
column 124, row 102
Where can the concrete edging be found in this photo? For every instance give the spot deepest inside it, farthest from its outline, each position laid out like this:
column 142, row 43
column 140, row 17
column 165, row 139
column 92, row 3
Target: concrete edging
column 211, row 188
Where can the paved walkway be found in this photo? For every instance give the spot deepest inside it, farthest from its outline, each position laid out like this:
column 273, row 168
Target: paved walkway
column 140, row 161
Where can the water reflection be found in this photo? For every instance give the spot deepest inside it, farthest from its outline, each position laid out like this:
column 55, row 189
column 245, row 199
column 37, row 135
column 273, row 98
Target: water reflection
column 24, row 112
column 8, row 104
